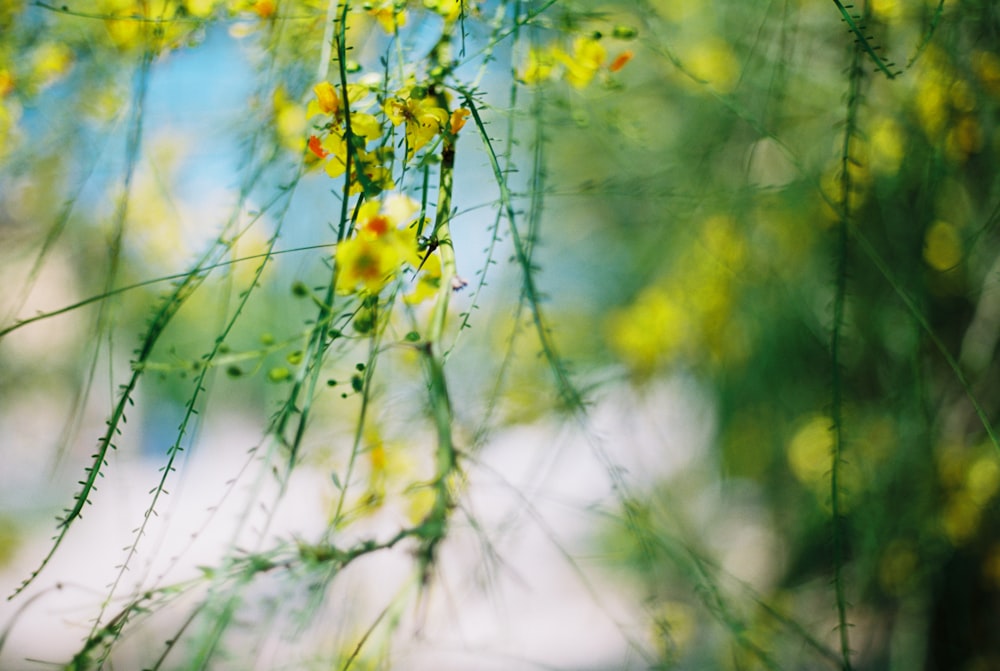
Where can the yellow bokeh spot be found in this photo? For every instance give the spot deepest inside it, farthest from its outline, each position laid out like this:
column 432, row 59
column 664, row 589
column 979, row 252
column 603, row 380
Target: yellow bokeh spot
column 960, row 519
column 449, row 9
column 678, row 11
column 388, row 17
column 713, row 61
column 961, row 96
column 986, row 65
column 649, row 331
column 6, row 81
column 51, row 61
column 832, row 185
column 887, row 146
column 991, row 565
column 885, row 10
column 897, row 567
column 983, row 479
column 951, row 465
column 964, row 137
column 200, row 8
column 942, row 246
column 810, row 448
column 420, row 503
column 931, row 102
column 724, row 242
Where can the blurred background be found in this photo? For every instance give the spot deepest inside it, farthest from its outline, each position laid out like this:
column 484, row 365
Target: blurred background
column 765, row 239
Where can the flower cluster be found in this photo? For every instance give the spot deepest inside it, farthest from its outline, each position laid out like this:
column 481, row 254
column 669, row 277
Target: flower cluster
column 331, row 147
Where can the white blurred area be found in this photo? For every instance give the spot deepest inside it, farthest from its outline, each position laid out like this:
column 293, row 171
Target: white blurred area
column 520, row 582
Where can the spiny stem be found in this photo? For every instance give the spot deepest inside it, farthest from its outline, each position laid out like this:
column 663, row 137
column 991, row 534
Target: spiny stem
column 836, row 406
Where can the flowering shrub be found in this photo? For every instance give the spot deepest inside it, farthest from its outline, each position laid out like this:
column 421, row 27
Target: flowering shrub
column 386, row 239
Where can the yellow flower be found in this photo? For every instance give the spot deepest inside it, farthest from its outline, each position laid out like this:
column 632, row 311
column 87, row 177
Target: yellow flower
column 329, row 100
column 422, row 117
column 365, row 264
column 428, row 280
column 458, row 119
column 367, row 172
column 587, row 58
column 374, row 256
column 368, row 175
column 388, row 16
column 333, row 148
column 365, row 125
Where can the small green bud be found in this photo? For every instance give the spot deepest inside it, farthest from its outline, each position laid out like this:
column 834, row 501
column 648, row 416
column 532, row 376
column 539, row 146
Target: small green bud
column 363, row 322
column 278, row 374
column 625, row 32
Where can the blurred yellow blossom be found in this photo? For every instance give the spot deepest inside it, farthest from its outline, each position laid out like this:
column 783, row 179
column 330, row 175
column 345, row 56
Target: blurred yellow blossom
column 986, row 66
column 712, row 61
column 422, row 117
column 289, row 120
column 538, row 67
column 451, row 10
column 6, row 82
column 942, row 246
column 579, row 66
column 200, row 8
column 650, row 331
column 886, row 10
column 887, row 146
column 583, row 63
column 389, row 16
column 421, row 502
column 373, row 257
column 50, row 62
column 809, row 450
